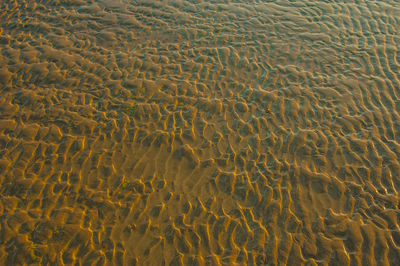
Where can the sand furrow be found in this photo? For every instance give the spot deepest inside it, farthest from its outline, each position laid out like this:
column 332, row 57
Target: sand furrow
column 199, row 133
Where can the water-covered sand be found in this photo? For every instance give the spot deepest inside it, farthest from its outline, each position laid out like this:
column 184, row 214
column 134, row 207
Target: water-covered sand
column 199, row 132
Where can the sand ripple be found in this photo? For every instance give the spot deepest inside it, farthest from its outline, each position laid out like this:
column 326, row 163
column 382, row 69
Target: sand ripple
column 199, row 133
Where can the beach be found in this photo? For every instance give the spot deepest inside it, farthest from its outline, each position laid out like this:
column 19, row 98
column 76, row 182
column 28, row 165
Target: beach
column 199, row 132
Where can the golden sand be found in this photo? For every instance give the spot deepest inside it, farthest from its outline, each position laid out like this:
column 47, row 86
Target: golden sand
column 199, row 132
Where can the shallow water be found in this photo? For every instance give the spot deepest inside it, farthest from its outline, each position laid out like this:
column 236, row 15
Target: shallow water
column 199, row 132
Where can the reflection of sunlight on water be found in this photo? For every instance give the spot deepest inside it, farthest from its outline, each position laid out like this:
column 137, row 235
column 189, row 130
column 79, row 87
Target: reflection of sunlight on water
column 199, row 132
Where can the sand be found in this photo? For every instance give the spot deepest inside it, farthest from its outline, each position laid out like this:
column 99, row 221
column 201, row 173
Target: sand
column 199, row 132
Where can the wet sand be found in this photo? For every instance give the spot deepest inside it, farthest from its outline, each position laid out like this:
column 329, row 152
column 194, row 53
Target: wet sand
column 199, row 133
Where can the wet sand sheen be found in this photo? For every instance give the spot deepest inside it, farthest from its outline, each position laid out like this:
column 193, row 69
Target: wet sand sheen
column 199, row 133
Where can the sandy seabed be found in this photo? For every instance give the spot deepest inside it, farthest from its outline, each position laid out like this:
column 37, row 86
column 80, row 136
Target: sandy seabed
column 199, row 132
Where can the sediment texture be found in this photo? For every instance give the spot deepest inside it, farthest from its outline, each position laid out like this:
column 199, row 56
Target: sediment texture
column 199, row 133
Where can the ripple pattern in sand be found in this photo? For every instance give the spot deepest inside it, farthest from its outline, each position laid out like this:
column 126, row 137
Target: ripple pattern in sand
column 199, row 133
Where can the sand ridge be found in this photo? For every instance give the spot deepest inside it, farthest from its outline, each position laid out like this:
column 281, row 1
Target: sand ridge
column 199, row 133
